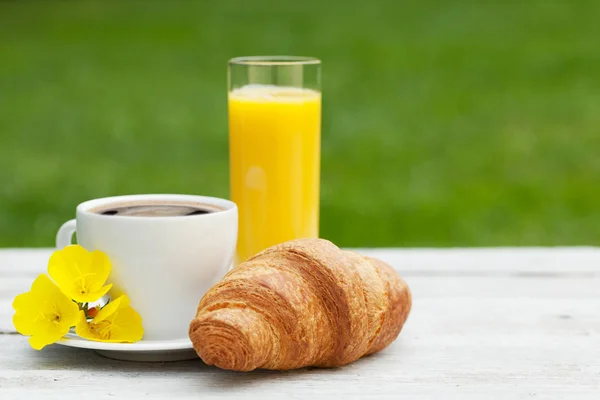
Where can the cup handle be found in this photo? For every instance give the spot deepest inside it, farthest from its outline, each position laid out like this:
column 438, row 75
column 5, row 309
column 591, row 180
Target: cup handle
column 64, row 236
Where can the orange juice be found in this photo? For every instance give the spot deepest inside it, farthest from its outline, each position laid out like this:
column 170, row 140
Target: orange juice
column 274, row 150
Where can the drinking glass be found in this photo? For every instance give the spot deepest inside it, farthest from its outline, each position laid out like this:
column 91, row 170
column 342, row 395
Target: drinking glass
column 274, row 149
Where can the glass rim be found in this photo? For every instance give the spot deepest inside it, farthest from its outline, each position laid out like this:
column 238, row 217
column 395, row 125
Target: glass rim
column 274, row 60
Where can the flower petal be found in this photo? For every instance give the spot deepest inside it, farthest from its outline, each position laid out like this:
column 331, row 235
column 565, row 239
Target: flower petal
column 24, row 324
column 38, row 342
column 23, row 320
column 82, row 328
column 101, row 266
column 43, row 288
column 108, row 310
column 67, row 265
column 117, row 322
column 127, row 326
column 50, row 334
column 50, row 300
column 69, row 312
column 24, row 300
column 79, row 273
column 91, row 297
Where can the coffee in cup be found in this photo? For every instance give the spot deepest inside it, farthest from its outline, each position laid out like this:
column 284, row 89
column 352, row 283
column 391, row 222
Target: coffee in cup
column 155, row 209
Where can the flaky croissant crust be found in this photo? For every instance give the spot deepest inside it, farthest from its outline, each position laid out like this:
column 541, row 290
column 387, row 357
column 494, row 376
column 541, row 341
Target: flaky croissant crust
column 301, row 303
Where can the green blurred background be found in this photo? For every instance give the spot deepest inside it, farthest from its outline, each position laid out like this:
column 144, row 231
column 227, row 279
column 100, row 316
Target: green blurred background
column 445, row 123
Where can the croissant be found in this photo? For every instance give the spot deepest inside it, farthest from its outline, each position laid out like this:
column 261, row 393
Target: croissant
column 297, row 304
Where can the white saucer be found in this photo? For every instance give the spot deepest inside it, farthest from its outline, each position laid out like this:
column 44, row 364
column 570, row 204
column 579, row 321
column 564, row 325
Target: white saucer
column 144, row 350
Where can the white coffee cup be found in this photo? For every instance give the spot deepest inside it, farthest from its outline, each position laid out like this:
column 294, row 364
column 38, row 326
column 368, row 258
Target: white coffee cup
column 164, row 264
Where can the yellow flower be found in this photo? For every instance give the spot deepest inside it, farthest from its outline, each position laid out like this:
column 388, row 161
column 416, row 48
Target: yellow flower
column 79, row 273
column 116, row 322
column 44, row 313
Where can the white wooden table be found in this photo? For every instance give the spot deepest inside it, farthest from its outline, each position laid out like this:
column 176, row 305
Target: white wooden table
column 486, row 324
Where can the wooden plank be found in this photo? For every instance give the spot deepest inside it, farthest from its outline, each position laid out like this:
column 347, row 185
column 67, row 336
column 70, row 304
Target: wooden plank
column 490, row 261
column 464, row 292
column 493, row 261
column 23, row 261
column 492, row 323
column 499, row 348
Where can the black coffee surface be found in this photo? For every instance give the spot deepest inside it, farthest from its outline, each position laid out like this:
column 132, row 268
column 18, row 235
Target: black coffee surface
column 153, row 210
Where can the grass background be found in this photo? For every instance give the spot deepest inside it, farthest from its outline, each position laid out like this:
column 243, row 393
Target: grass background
column 445, row 123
